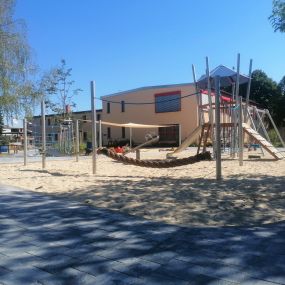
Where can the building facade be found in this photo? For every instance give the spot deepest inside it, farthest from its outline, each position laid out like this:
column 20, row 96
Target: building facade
column 174, row 105
column 55, row 127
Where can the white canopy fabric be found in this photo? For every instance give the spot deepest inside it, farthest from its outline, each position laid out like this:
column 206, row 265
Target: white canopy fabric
column 227, row 77
column 133, row 125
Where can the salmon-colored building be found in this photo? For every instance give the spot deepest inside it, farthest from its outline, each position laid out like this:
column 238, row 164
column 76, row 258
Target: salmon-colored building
column 157, row 105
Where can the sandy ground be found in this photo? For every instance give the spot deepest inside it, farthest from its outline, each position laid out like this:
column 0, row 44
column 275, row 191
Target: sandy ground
column 253, row 194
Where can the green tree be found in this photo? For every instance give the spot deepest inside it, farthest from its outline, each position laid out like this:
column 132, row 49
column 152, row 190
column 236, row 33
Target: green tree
column 277, row 18
column 17, row 90
column 281, row 85
column 58, row 87
column 267, row 93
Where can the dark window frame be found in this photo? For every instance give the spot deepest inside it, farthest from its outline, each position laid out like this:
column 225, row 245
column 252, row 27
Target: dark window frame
column 85, row 136
column 164, row 94
column 108, row 108
column 123, row 106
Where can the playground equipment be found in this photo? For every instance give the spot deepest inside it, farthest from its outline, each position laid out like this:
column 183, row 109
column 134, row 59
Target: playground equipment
column 224, row 120
column 165, row 163
column 238, row 119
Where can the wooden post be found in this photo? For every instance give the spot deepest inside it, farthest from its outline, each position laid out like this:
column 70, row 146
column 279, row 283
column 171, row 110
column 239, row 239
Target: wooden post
column 218, row 130
column 274, row 126
column 198, row 97
column 131, row 137
column 211, row 116
column 100, row 133
column 180, row 135
column 138, row 154
column 235, row 111
column 94, row 131
column 25, row 141
column 240, row 133
column 248, row 91
column 43, row 110
column 232, row 120
column 262, row 125
column 77, row 140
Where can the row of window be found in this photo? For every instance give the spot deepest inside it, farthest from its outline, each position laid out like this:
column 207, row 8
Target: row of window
column 84, row 118
column 98, row 117
column 122, row 107
column 54, row 137
column 164, row 133
column 164, row 102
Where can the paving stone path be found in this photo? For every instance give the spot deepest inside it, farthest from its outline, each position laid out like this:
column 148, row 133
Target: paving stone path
column 48, row 240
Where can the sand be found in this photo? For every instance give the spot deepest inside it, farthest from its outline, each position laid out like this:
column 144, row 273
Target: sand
column 253, row 194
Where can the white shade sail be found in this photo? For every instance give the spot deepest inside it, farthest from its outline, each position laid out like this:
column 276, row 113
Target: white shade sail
column 133, row 125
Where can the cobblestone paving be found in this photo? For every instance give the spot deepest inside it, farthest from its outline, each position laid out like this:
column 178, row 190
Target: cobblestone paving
column 48, row 240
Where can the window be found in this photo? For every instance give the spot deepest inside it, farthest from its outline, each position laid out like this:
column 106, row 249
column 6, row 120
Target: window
column 108, row 132
column 123, row 132
column 56, row 137
column 84, row 136
column 49, row 121
column 168, row 102
column 98, row 117
column 122, row 106
column 169, row 135
column 108, row 108
column 84, row 118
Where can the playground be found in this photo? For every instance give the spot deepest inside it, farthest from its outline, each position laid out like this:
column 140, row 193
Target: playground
column 234, row 176
column 248, row 195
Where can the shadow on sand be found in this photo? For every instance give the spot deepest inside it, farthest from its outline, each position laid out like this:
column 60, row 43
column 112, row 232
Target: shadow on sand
column 66, row 240
column 231, row 202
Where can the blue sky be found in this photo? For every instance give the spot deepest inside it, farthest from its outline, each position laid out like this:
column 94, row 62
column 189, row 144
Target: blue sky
column 125, row 44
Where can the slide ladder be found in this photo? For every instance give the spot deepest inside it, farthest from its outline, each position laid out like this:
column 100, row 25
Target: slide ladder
column 262, row 141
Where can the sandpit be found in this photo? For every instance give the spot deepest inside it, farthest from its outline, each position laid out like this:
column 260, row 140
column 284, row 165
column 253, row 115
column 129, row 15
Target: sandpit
column 253, row 194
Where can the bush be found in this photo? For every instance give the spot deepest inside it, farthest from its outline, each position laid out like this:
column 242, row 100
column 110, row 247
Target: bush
column 4, row 140
column 274, row 138
column 82, row 147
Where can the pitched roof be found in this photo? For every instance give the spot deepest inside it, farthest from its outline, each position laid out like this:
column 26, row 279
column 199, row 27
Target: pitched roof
column 227, row 77
column 147, row 88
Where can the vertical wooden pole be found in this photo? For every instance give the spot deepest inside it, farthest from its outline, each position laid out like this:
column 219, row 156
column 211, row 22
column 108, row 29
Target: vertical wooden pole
column 100, row 133
column 131, row 137
column 180, row 135
column 198, row 97
column 77, row 140
column 274, row 126
column 240, row 133
column 25, row 141
column 211, row 117
column 43, row 109
column 218, row 130
column 236, row 103
column 138, row 154
column 248, row 91
column 94, row 131
column 232, row 120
